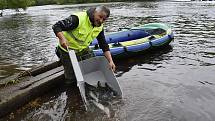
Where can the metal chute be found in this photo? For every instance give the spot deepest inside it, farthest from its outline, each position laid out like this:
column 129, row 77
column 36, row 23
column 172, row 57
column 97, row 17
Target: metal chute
column 93, row 71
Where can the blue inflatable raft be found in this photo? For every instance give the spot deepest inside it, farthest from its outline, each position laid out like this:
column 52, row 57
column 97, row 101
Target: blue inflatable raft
column 136, row 39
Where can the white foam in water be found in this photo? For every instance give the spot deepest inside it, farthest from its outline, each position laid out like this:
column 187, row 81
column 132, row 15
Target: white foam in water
column 93, row 96
column 106, row 110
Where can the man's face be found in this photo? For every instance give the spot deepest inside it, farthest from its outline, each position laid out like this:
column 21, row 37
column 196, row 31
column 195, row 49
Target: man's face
column 99, row 18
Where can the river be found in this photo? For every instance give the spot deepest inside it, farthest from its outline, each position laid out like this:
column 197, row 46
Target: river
column 173, row 84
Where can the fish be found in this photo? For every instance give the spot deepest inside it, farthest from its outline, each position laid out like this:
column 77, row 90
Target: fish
column 100, row 96
column 100, row 93
column 105, row 109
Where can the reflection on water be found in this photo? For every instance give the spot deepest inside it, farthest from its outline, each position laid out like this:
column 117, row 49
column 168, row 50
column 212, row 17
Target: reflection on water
column 152, row 57
column 63, row 103
column 25, row 40
column 175, row 83
column 7, row 69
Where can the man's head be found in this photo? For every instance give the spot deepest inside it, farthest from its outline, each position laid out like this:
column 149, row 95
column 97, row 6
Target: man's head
column 101, row 14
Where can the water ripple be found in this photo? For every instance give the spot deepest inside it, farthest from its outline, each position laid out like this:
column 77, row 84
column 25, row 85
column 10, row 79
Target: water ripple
column 175, row 83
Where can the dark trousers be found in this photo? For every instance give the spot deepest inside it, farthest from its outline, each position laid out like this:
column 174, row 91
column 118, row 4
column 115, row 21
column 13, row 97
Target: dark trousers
column 66, row 62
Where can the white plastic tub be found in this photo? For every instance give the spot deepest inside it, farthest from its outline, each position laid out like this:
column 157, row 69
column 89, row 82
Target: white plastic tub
column 96, row 69
column 92, row 71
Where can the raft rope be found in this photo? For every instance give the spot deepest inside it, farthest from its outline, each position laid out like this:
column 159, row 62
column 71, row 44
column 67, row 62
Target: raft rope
column 28, row 72
column 22, row 74
column 17, row 78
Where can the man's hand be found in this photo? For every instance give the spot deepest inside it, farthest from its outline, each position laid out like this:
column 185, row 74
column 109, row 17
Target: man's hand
column 109, row 58
column 64, row 43
column 62, row 40
column 112, row 66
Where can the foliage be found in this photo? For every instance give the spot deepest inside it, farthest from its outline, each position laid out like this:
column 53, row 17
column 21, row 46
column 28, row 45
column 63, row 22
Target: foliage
column 44, row 2
column 15, row 4
column 3, row 4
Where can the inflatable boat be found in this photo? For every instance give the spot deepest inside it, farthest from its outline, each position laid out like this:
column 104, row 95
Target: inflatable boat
column 135, row 40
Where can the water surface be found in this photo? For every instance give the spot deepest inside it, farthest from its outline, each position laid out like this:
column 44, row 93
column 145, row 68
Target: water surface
column 173, row 84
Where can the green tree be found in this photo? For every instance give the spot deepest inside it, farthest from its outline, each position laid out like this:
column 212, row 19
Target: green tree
column 3, row 5
column 16, row 4
column 45, row 2
column 60, row 1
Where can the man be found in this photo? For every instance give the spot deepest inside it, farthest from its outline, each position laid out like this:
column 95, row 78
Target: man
column 77, row 32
